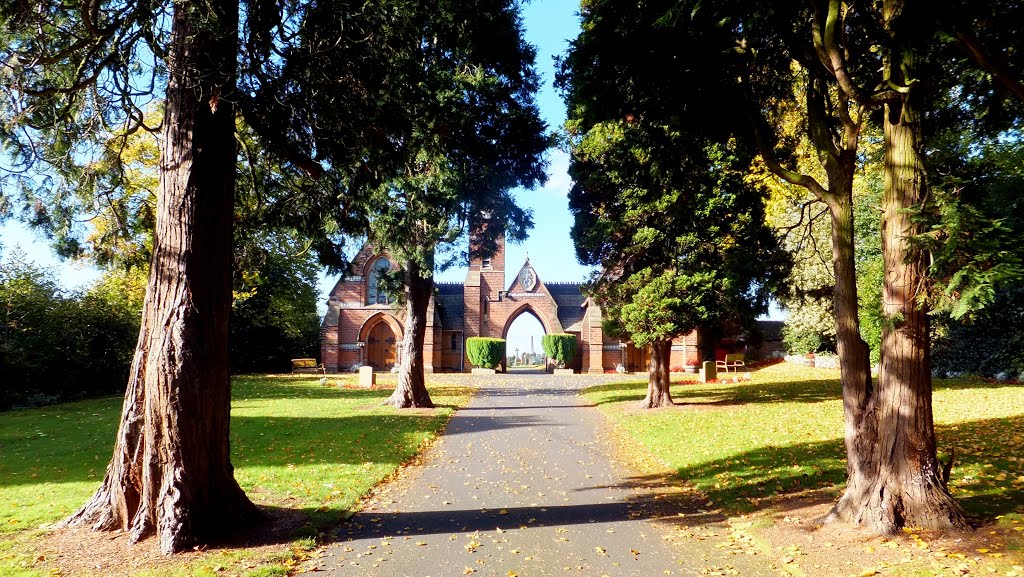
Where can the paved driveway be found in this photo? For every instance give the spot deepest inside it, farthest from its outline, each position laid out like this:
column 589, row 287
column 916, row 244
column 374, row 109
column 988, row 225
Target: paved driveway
column 521, row 483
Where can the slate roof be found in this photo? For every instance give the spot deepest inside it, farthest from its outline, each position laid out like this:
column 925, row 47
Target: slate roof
column 569, row 300
column 451, row 305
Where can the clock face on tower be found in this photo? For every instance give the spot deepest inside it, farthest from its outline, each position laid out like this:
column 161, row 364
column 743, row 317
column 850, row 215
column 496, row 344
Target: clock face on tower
column 527, row 279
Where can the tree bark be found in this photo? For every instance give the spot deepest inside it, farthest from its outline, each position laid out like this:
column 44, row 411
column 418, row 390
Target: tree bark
column 838, row 156
column 895, row 478
column 658, row 393
column 854, row 353
column 171, row 473
column 411, row 390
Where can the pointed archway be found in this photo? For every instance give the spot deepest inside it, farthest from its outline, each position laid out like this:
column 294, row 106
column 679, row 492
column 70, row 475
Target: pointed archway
column 380, row 339
column 523, row 349
column 548, row 325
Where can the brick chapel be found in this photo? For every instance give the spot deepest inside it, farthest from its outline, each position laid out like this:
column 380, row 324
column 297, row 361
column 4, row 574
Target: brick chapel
column 362, row 327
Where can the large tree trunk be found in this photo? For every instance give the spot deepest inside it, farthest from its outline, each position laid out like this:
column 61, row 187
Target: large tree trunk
column 411, row 390
column 658, row 394
column 171, row 472
column 840, row 161
column 854, row 353
column 895, row 478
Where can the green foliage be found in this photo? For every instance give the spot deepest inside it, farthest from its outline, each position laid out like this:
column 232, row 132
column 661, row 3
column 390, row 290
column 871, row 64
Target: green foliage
column 810, row 328
column 666, row 305
column 660, row 196
column 710, row 258
column 868, row 255
column 989, row 344
column 559, row 346
column 471, row 134
column 274, row 314
column 972, row 224
column 485, row 352
column 58, row 346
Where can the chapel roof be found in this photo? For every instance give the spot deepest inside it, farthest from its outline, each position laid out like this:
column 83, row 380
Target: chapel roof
column 451, row 305
column 569, row 298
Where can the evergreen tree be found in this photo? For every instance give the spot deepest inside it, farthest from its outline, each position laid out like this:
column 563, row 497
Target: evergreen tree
column 78, row 72
column 473, row 133
column 678, row 233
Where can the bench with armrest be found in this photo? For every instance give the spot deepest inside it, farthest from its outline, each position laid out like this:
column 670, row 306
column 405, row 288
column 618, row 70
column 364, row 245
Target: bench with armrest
column 307, row 366
column 732, row 362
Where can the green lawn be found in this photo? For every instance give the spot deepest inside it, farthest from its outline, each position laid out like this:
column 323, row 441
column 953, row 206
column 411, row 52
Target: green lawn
column 742, row 443
column 296, row 444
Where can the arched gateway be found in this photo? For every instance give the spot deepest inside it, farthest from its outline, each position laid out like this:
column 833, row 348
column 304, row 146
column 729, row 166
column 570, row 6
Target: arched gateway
column 484, row 305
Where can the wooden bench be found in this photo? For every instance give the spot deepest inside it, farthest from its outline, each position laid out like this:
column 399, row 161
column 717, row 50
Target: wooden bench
column 307, row 366
column 733, row 361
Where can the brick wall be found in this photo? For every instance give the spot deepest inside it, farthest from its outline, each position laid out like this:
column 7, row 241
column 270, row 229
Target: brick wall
column 490, row 307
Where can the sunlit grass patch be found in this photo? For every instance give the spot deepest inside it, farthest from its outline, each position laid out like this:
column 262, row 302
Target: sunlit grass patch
column 781, row 433
column 296, row 444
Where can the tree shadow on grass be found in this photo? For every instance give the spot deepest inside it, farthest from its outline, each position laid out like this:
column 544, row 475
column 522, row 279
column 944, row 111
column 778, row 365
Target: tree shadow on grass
column 803, row 391
column 770, row 477
column 272, row 441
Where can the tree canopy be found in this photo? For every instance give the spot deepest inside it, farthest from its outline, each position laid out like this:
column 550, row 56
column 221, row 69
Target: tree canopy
column 323, row 86
column 660, row 202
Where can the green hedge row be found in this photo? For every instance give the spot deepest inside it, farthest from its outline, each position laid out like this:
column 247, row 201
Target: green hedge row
column 485, row 352
column 559, row 346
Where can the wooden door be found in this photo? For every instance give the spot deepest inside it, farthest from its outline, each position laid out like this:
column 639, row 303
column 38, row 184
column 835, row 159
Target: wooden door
column 380, row 347
column 637, row 360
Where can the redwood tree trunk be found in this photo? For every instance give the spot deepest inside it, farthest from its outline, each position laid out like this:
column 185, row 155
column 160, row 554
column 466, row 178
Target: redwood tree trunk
column 896, row 479
column 854, row 353
column 658, row 394
column 171, row 473
column 411, row 390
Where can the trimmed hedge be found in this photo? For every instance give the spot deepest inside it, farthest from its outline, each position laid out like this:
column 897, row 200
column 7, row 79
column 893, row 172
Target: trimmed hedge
column 485, row 352
column 559, row 346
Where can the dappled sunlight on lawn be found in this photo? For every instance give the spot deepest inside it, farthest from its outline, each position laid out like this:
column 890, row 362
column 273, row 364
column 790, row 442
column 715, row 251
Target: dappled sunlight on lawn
column 295, row 443
column 747, row 444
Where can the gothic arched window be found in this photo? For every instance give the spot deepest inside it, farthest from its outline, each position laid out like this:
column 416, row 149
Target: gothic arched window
column 374, row 294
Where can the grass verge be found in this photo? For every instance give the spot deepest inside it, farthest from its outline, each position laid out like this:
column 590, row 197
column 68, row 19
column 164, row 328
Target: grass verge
column 296, row 445
column 759, row 446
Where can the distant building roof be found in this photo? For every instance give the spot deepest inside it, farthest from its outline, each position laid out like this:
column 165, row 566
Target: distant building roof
column 569, row 298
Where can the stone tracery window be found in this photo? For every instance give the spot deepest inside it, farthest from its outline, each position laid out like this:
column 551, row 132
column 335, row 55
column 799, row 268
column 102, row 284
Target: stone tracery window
column 374, row 294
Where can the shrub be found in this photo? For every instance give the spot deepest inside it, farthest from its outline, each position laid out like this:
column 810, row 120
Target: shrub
column 992, row 343
column 560, row 346
column 58, row 346
column 485, row 352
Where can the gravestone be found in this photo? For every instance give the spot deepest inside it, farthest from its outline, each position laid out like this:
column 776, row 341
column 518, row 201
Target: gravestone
column 708, row 371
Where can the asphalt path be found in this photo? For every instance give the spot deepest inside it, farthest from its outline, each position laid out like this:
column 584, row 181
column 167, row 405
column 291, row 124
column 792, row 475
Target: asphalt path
column 522, row 483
